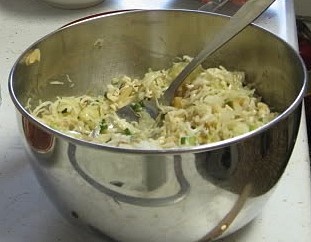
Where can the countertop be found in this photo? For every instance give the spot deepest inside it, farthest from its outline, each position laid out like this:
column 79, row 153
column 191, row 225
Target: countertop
column 26, row 214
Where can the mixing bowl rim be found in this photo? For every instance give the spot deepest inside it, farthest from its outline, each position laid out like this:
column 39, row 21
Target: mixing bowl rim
column 178, row 150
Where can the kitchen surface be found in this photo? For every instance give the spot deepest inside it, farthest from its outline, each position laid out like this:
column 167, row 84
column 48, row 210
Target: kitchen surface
column 26, row 214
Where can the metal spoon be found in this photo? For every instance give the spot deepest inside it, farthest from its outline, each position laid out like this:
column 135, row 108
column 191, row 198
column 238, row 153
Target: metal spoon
column 243, row 17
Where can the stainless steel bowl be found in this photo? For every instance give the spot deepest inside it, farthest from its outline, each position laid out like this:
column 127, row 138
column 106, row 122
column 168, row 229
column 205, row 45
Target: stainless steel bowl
column 182, row 194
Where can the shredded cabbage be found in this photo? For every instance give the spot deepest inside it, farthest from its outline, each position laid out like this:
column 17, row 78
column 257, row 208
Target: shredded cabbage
column 211, row 105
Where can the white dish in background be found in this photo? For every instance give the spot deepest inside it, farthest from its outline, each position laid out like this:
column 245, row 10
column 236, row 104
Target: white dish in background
column 73, row 4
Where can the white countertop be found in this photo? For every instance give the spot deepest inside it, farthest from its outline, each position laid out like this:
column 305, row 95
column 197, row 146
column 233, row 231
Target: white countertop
column 26, row 214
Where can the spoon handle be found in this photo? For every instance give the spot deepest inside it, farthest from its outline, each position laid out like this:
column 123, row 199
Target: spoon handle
column 243, row 17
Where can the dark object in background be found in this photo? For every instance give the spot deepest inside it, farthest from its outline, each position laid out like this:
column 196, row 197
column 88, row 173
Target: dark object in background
column 304, row 42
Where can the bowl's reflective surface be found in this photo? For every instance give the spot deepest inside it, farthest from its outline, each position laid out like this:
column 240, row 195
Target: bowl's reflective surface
column 188, row 194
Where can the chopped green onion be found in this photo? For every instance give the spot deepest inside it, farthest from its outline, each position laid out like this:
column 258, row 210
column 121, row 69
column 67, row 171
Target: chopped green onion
column 103, row 126
column 192, row 140
column 185, row 140
column 137, row 107
column 142, row 104
column 127, row 132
